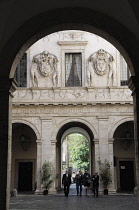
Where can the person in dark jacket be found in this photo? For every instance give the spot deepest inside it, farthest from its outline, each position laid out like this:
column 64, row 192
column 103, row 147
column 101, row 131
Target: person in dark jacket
column 95, row 180
column 79, row 182
column 66, row 181
column 87, row 182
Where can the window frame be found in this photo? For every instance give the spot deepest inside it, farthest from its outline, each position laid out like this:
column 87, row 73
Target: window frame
column 72, row 47
column 124, row 82
column 73, row 76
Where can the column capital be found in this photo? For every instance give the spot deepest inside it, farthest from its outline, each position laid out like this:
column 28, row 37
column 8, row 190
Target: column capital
column 103, row 118
column 44, row 119
column 53, row 141
column 96, row 141
column 111, row 140
column 38, row 141
column 133, row 84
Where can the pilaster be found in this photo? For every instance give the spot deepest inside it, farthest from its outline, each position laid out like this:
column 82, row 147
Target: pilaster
column 48, row 145
column 5, row 141
column 134, row 87
column 111, row 161
column 103, row 137
column 97, row 154
column 39, row 165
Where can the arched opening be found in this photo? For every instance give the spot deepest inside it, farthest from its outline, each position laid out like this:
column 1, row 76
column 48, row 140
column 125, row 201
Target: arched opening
column 24, row 158
column 67, row 80
column 98, row 15
column 81, row 134
column 124, row 157
column 75, row 153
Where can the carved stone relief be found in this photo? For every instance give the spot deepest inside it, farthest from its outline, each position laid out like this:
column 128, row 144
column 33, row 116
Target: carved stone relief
column 72, row 94
column 102, row 94
column 73, row 36
column 46, row 94
column 123, row 93
column 101, row 63
column 47, row 64
column 94, row 94
column 23, row 94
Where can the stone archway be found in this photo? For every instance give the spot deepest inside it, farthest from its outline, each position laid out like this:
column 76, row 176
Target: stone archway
column 109, row 25
column 112, row 130
column 124, row 156
column 30, row 125
column 24, row 157
column 72, row 127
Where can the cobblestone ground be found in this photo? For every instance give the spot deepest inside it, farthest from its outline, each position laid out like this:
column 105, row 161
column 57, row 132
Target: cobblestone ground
column 59, row 202
column 74, row 202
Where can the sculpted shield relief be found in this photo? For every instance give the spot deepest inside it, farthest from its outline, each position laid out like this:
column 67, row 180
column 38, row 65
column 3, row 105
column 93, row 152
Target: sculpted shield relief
column 47, row 64
column 101, row 63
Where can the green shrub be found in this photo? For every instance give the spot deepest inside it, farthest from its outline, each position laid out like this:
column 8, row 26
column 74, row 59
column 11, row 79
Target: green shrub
column 105, row 173
column 47, row 174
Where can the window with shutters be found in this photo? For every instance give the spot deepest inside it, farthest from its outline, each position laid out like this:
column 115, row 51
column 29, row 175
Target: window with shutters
column 21, row 72
column 125, row 74
column 73, row 70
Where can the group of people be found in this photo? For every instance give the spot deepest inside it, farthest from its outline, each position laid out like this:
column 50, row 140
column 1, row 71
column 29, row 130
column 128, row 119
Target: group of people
column 80, row 180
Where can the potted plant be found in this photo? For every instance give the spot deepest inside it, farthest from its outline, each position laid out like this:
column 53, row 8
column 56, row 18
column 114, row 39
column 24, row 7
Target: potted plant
column 47, row 176
column 105, row 174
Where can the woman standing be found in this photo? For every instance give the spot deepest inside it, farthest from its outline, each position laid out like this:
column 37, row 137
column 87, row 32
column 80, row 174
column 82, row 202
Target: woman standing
column 87, row 182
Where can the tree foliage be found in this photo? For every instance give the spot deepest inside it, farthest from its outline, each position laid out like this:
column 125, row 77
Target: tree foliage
column 78, row 148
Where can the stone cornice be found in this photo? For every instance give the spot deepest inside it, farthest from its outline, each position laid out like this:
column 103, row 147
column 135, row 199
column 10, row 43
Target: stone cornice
column 70, row 103
column 69, row 43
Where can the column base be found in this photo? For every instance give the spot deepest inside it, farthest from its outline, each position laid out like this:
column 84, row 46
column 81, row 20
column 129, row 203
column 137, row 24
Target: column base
column 136, row 193
column 110, row 192
column 39, row 192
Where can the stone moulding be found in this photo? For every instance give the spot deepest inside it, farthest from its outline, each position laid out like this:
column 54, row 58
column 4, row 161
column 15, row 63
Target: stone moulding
column 76, row 95
column 72, row 110
column 76, row 43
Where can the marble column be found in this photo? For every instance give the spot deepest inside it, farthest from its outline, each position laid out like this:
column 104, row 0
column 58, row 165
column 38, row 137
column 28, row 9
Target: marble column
column 5, row 142
column 134, row 86
column 39, row 164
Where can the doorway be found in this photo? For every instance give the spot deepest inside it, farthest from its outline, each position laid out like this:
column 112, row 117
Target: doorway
column 127, row 181
column 25, row 170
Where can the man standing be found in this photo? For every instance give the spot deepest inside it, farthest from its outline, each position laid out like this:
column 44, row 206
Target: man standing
column 95, row 180
column 79, row 182
column 66, row 181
